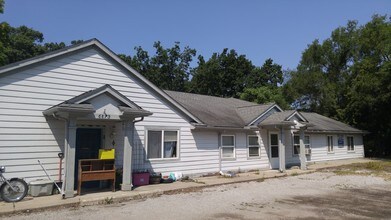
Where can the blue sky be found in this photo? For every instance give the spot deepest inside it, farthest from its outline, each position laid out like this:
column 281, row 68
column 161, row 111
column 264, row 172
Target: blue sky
column 277, row 29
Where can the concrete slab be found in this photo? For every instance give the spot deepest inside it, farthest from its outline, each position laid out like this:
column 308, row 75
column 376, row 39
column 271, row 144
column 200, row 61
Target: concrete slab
column 35, row 204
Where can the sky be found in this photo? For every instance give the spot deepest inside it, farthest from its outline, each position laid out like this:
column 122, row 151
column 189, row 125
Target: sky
column 276, row 29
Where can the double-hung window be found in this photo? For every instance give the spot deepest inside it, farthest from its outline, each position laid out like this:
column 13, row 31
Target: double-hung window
column 296, row 144
column 253, row 146
column 330, row 144
column 227, row 146
column 162, row 144
column 350, row 143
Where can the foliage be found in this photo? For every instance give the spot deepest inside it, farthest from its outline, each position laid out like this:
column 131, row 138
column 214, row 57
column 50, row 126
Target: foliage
column 168, row 68
column 1, row 6
column 348, row 77
column 265, row 94
column 222, row 75
column 228, row 74
column 20, row 43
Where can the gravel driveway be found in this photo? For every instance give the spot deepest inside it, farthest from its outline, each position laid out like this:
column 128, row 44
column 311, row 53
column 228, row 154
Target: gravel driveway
column 321, row 195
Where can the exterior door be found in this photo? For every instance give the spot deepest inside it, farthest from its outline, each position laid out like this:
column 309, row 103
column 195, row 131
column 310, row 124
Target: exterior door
column 88, row 142
column 273, row 149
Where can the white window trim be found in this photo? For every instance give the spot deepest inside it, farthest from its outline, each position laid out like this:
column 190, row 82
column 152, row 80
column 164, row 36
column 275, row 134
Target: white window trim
column 347, row 144
column 305, row 145
column 234, row 151
column 248, row 147
column 162, row 141
column 332, row 144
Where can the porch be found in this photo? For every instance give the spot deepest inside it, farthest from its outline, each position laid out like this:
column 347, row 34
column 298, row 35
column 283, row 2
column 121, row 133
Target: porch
column 98, row 119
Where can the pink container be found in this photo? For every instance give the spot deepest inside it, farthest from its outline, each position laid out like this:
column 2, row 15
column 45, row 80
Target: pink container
column 140, row 179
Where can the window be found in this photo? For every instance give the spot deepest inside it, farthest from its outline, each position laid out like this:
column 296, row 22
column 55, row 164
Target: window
column 296, row 144
column 274, row 145
column 162, row 144
column 253, row 146
column 330, row 144
column 227, row 146
column 350, row 143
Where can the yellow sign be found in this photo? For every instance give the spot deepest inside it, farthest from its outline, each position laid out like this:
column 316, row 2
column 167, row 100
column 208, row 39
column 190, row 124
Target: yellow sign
column 106, row 153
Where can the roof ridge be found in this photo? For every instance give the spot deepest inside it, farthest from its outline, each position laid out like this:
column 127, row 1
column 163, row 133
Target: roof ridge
column 246, row 106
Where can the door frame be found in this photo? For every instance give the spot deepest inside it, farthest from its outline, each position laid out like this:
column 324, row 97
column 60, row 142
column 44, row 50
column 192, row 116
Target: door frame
column 274, row 161
column 77, row 149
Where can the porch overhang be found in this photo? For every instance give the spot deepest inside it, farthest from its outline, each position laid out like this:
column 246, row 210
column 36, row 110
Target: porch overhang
column 101, row 105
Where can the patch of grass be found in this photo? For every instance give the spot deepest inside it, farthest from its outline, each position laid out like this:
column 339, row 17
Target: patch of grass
column 381, row 168
column 294, row 174
column 344, row 172
column 378, row 166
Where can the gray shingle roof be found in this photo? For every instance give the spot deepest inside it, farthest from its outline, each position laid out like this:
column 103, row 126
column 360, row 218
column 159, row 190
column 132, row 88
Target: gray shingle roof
column 277, row 118
column 323, row 123
column 235, row 113
column 76, row 103
column 219, row 112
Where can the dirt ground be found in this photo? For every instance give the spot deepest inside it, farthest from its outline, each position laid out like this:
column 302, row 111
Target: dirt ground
column 321, row 195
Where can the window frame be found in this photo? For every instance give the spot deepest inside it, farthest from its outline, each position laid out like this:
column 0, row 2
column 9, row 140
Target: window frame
column 248, row 147
column 228, row 146
column 352, row 142
column 162, row 130
column 274, row 145
column 328, row 144
column 305, row 144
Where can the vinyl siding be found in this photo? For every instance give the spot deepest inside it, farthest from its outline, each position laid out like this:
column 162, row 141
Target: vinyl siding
column 26, row 135
column 319, row 148
column 242, row 162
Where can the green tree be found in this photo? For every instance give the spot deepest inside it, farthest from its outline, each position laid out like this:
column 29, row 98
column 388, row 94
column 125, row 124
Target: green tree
column 224, row 74
column 20, row 43
column 169, row 68
column 348, row 77
column 1, row 6
column 269, row 74
column 265, row 94
column 369, row 94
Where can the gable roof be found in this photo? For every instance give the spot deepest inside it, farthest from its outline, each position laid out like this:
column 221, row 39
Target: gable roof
column 96, row 44
column 283, row 118
column 220, row 112
column 325, row 124
column 96, row 92
column 80, row 103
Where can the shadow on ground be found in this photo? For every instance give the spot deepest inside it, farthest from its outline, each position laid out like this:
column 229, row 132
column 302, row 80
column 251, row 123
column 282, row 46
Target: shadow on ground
column 346, row 204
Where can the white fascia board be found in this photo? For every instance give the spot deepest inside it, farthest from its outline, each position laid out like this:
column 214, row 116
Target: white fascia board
column 267, row 110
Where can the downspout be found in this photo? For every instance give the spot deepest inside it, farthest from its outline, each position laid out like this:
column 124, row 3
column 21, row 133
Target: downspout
column 65, row 144
column 132, row 141
column 135, row 121
column 219, row 147
column 132, row 146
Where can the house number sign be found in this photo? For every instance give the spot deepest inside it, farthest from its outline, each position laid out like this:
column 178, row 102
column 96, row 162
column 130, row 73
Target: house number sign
column 104, row 115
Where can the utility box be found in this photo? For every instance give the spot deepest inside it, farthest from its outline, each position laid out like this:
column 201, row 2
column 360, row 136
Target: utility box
column 41, row 188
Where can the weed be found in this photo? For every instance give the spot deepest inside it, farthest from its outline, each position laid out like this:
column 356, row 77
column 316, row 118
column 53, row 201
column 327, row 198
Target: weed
column 294, row 174
column 200, row 182
column 378, row 166
column 109, row 200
